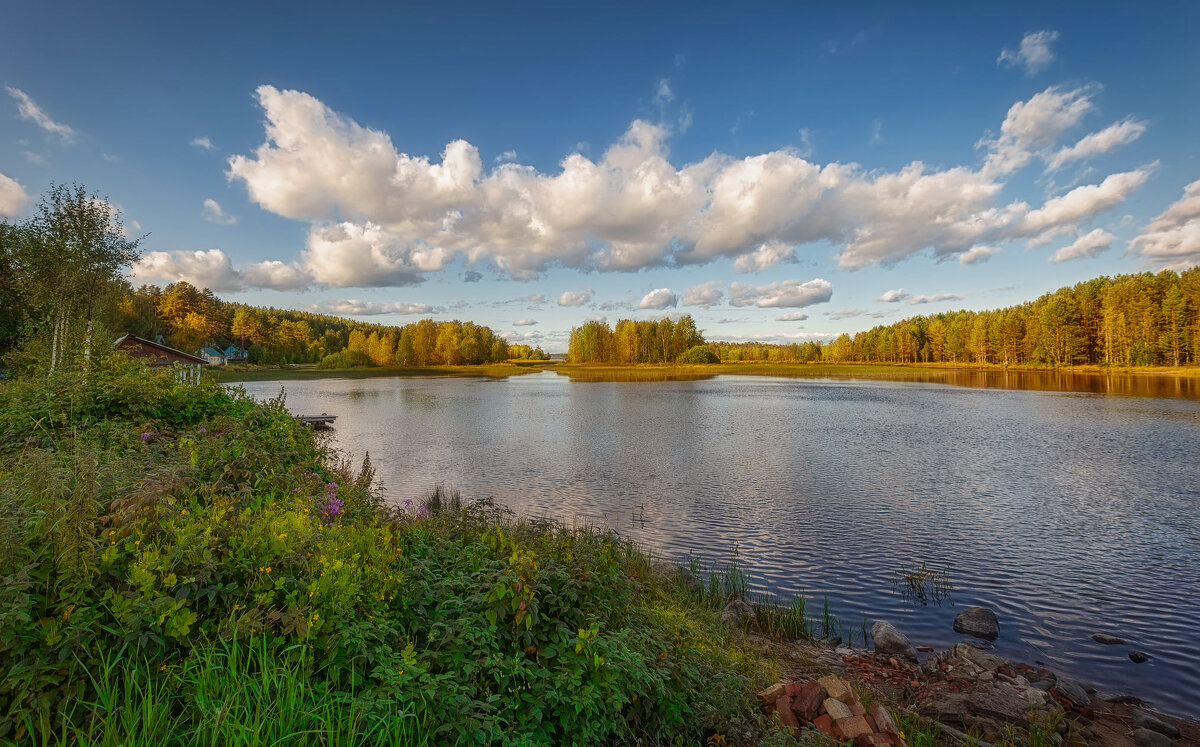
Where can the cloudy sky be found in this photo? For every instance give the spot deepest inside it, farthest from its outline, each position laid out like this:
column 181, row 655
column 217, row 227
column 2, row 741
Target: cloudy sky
column 779, row 171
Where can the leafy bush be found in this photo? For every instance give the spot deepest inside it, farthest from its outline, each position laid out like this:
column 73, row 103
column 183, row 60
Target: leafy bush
column 698, row 355
column 346, row 359
column 183, row 565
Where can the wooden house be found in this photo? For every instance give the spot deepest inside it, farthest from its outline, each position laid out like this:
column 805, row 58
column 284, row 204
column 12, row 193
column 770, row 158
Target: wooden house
column 156, row 355
column 214, row 356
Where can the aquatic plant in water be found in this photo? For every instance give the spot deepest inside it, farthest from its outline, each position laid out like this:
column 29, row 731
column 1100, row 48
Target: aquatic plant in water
column 923, row 584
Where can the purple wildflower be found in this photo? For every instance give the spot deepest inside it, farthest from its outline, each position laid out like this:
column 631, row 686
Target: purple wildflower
column 146, row 436
column 332, row 507
column 203, row 430
column 422, row 512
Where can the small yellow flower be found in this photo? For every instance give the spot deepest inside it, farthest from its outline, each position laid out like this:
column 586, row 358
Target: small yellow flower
column 268, row 569
column 315, row 617
column 137, row 542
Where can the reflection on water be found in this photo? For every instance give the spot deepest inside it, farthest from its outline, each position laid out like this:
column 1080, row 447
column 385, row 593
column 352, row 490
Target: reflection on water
column 1067, row 512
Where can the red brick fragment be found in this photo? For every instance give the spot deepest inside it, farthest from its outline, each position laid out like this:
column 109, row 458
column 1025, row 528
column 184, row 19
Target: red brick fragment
column 783, row 712
column 852, row 727
column 824, row 724
column 807, row 703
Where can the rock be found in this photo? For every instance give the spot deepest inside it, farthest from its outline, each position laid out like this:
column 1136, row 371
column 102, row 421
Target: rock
column 891, row 642
column 1107, row 640
column 771, row 694
column 824, row 724
column 980, row 622
column 1151, row 738
column 807, row 703
column 1138, row 657
column 852, row 727
column 1147, row 721
column 1073, row 692
column 837, row 710
column 836, row 688
column 783, row 712
column 883, row 720
column 738, row 615
column 980, row 659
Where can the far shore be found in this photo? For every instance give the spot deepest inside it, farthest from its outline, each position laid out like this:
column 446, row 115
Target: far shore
column 517, row 368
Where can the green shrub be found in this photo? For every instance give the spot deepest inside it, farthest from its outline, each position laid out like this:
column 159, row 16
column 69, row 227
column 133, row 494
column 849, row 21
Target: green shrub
column 183, row 565
column 345, row 359
column 698, row 355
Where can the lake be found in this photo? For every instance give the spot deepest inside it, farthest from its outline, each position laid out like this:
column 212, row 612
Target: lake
column 1067, row 509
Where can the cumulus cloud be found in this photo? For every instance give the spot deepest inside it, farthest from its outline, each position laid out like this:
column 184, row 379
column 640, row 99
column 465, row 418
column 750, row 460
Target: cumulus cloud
column 508, row 155
column 1087, row 201
column 354, row 307
column 1033, row 125
column 935, row 298
column 213, row 269
column 706, row 295
column 1173, row 238
column 795, row 316
column 765, row 256
column 28, row 109
column 785, row 294
column 1034, row 54
column 977, row 254
column 525, row 322
column 530, row 336
column 617, row 305
column 213, row 213
column 472, row 276
column 394, row 216
column 1089, row 245
column 1097, row 143
column 204, row 142
column 659, row 298
column 13, row 197
column 576, row 297
column 894, row 296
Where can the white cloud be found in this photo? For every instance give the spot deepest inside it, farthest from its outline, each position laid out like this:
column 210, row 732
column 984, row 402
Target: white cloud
column 365, row 256
column 1097, row 143
column 390, row 217
column 203, row 142
column 1087, row 201
column 765, row 256
column 28, row 109
column 525, row 322
column 214, row 214
column 354, row 307
column 575, row 297
column 508, row 155
column 850, row 313
column 663, row 93
column 935, row 298
column 894, row 296
column 807, row 148
column 659, row 298
column 1086, row 246
column 1173, row 238
column 977, row 254
column 786, row 294
column 1034, row 125
column 530, row 336
column 1034, row 53
column 706, row 294
column 794, row 316
column 213, row 269
column 13, row 197
column 876, row 133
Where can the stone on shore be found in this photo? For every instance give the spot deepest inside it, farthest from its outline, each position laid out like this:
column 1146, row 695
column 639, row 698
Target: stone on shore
column 1073, row 692
column 1151, row 738
column 1107, row 640
column 891, row 642
column 980, row 622
column 738, row 615
column 1147, row 721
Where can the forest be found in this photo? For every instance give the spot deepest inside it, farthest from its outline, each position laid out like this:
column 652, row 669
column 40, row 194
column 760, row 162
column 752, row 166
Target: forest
column 1144, row 319
column 55, row 297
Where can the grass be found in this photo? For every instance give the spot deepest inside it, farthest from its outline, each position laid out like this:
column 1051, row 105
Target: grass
column 919, row 583
column 184, row 565
column 307, row 371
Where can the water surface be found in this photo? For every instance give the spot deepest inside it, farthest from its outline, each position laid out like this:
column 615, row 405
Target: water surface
column 1068, row 512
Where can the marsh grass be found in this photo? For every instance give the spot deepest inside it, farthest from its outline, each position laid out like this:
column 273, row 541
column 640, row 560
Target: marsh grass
column 919, row 583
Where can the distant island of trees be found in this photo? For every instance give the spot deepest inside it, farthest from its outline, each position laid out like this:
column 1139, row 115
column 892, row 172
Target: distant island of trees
column 1144, row 319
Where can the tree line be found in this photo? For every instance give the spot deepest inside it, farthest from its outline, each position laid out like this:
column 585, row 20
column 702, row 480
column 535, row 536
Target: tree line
column 1145, row 319
column 63, row 284
column 632, row 342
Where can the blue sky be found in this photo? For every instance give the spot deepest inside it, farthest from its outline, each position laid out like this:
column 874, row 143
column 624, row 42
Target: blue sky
column 779, row 171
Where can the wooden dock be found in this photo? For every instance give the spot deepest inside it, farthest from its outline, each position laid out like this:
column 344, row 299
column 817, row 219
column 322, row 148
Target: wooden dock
column 317, row 421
